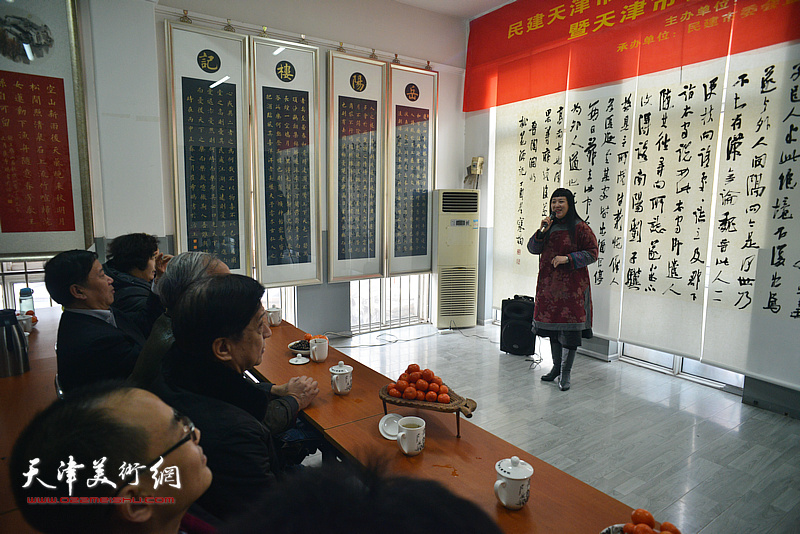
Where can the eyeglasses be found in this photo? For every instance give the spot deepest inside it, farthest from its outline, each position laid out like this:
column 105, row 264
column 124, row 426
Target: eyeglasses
column 191, row 434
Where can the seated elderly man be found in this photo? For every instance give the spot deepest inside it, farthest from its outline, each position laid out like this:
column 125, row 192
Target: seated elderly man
column 135, row 263
column 110, row 443
column 182, row 271
column 220, row 328
column 93, row 342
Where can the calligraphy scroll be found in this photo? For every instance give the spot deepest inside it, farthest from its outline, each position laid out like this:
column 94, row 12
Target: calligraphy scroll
column 529, row 158
column 674, row 149
column 412, row 129
column 209, row 102
column 287, row 184
column 44, row 181
column 598, row 131
column 754, row 289
column 357, row 91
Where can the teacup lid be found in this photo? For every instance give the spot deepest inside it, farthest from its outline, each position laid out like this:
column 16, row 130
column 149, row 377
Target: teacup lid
column 340, row 369
column 514, row 468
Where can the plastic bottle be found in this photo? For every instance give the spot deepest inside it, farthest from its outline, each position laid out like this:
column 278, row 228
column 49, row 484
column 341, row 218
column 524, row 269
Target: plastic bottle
column 26, row 301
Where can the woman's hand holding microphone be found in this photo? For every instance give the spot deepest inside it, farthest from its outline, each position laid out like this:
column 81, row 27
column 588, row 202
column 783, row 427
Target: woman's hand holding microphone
column 547, row 222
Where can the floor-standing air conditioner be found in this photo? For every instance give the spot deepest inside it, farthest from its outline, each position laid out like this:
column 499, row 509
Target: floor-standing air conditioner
column 455, row 270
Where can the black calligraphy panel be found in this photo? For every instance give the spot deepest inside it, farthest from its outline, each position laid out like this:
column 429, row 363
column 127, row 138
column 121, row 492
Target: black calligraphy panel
column 412, row 135
column 674, row 149
column 755, row 252
column 287, row 176
column 357, row 166
column 211, row 162
column 540, row 134
column 598, row 139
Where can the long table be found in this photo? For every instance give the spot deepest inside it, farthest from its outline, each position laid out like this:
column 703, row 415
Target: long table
column 558, row 502
column 328, row 410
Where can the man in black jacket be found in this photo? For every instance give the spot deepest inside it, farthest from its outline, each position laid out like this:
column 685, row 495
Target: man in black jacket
column 220, row 327
column 93, row 342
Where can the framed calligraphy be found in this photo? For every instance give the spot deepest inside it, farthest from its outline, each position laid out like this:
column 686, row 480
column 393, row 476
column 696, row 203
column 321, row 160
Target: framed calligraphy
column 45, row 185
column 209, row 97
column 411, row 163
column 287, row 192
column 356, row 167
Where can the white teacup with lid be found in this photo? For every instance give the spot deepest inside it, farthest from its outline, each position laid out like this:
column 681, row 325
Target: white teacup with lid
column 513, row 485
column 341, row 378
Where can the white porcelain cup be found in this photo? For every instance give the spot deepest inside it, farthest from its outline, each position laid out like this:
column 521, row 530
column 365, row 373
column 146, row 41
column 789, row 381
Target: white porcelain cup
column 274, row 316
column 513, row 485
column 319, row 350
column 341, row 378
column 411, row 435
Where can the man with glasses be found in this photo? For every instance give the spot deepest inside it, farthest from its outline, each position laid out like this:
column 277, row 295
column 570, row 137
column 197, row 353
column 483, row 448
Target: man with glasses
column 110, row 458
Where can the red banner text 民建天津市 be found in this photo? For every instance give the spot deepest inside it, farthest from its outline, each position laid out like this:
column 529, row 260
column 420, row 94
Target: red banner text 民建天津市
column 533, row 48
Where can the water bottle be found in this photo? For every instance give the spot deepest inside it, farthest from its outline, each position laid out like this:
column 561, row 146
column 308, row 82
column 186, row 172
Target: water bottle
column 26, row 301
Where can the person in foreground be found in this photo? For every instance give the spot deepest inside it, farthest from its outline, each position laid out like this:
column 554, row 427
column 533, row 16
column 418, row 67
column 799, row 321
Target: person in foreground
column 135, row 263
column 220, row 327
column 563, row 312
column 94, row 433
column 336, row 499
column 94, row 343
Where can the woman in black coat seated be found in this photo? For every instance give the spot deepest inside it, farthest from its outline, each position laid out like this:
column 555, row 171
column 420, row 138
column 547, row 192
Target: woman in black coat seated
column 220, row 326
column 135, row 263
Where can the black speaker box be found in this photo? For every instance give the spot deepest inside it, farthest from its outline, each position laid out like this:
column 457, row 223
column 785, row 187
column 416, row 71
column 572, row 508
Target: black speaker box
column 516, row 326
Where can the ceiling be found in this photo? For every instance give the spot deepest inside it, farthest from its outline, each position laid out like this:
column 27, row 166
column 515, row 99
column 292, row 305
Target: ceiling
column 464, row 9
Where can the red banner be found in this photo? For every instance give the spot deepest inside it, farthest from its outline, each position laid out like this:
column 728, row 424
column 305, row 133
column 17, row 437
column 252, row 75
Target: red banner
column 532, row 47
column 35, row 177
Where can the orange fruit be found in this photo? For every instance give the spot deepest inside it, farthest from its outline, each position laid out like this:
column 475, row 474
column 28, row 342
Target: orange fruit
column 427, row 375
column 410, row 393
column 666, row 526
column 412, row 368
column 401, row 385
column 404, row 376
column 444, row 389
column 431, row 396
column 433, row 386
column 640, row 515
column 628, row 528
column 643, row 528
column 308, row 337
column 414, row 376
column 444, row 398
column 421, row 385
column 393, row 392
column 437, row 380
column 420, row 395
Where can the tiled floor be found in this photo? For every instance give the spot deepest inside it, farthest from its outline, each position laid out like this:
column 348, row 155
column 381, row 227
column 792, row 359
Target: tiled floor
column 691, row 454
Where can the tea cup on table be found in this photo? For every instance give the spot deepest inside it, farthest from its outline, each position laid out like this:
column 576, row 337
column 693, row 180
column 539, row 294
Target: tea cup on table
column 411, row 435
column 341, row 378
column 274, row 316
column 513, row 485
column 318, row 348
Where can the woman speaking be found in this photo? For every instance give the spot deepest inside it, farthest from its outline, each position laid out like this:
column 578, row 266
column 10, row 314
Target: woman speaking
column 563, row 311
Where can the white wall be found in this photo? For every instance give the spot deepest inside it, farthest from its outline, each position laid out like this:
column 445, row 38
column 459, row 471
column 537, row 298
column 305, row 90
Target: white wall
column 125, row 138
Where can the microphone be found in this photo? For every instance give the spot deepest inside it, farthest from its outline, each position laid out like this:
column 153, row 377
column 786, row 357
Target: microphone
column 552, row 220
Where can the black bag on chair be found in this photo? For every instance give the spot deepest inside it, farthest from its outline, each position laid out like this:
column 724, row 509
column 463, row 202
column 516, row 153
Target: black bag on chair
column 516, row 326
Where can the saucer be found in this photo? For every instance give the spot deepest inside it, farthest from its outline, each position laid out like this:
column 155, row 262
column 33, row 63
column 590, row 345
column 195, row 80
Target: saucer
column 299, row 360
column 388, row 425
